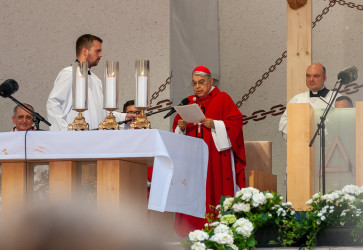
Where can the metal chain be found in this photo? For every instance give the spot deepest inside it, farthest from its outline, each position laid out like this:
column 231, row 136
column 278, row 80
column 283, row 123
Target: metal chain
column 265, row 75
column 159, row 106
column 349, row 4
column 260, row 115
column 272, row 68
column 161, row 88
column 276, row 110
column 324, row 12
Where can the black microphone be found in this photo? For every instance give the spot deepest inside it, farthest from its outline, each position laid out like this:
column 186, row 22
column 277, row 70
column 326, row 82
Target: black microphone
column 348, row 75
column 8, row 88
column 185, row 101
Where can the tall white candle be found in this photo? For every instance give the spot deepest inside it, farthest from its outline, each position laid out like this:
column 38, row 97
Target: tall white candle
column 110, row 98
column 141, row 91
column 80, row 102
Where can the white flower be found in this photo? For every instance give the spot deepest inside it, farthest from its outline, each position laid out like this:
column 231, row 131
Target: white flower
column 292, row 212
column 222, row 238
column 244, row 207
column 221, row 228
column 351, row 189
column 198, row 246
column 316, row 196
column 320, row 214
column 234, row 247
column 269, row 195
column 322, row 218
column 258, row 199
column 198, row 235
column 318, row 222
column 309, row 202
column 227, row 203
column 243, row 227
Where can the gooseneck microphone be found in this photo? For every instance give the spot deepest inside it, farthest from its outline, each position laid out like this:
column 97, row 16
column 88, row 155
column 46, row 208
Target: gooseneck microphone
column 348, row 75
column 8, row 88
column 185, row 101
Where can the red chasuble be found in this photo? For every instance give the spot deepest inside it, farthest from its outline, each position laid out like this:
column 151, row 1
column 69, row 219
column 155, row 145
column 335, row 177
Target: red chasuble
column 216, row 105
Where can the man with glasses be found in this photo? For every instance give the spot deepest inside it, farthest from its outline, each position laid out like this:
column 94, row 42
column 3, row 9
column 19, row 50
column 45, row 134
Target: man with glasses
column 22, row 119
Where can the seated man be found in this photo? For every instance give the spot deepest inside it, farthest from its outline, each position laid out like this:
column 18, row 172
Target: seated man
column 343, row 102
column 22, row 119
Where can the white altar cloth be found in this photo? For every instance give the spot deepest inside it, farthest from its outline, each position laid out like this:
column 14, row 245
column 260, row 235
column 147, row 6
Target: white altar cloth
column 180, row 162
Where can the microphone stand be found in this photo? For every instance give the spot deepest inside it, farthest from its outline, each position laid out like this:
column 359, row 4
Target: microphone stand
column 148, row 114
column 37, row 117
column 321, row 130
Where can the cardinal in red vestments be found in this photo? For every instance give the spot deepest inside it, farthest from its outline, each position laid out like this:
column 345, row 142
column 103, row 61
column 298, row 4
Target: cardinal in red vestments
column 222, row 132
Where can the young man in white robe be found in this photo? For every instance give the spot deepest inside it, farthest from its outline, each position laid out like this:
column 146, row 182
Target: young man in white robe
column 60, row 100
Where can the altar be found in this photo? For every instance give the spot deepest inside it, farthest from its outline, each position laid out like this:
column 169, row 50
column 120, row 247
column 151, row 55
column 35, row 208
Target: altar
column 179, row 175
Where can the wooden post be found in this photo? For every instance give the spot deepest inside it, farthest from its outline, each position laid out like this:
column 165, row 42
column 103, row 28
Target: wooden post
column 123, row 182
column 359, row 143
column 300, row 157
column 13, row 186
column 298, row 48
column 62, row 181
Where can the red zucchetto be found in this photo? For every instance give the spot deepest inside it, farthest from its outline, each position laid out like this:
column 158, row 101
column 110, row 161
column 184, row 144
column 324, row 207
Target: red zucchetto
column 203, row 69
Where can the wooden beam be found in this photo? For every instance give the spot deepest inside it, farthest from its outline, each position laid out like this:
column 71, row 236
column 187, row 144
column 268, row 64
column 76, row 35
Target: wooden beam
column 298, row 48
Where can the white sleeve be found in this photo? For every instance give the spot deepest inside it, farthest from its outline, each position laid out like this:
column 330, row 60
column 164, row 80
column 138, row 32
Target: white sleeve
column 59, row 103
column 120, row 117
column 220, row 136
column 178, row 131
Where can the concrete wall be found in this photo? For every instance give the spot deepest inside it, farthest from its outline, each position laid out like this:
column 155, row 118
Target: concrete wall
column 38, row 40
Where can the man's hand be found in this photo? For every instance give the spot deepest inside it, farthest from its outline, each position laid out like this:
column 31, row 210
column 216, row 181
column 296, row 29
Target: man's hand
column 182, row 125
column 207, row 122
column 130, row 116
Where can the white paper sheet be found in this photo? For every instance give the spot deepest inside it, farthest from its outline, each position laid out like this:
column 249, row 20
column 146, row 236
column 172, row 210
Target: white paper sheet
column 190, row 113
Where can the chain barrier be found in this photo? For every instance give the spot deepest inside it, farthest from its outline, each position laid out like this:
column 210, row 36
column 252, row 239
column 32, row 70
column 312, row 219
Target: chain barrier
column 349, row 4
column 265, row 75
column 161, row 88
column 260, row 115
column 160, row 105
column 276, row 110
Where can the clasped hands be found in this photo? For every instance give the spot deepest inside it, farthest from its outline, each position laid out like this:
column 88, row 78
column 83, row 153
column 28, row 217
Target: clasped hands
column 206, row 122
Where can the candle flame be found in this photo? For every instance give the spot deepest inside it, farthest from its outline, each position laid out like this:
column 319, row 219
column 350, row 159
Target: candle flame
column 142, row 73
column 112, row 74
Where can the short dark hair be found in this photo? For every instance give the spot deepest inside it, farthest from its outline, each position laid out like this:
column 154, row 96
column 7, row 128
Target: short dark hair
column 128, row 103
column 346, row 98
column 85, row 41
column 18, row 106
column 324, row 70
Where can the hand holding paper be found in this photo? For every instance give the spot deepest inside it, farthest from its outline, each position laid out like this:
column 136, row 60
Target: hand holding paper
column 190, row 113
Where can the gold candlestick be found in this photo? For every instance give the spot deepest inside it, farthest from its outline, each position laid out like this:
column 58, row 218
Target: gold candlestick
column 140, row 122
column 109, row 123
column 79, row 122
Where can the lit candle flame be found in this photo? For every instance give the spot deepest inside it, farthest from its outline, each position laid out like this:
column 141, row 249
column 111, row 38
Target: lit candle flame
column 142, row 73
column 112, row 74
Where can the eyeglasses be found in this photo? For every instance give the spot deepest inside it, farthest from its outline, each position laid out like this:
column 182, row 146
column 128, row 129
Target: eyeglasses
column 133, row 112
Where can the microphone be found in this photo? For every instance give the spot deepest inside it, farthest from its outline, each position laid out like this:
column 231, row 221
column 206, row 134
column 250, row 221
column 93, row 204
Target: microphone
column 185, row 101
column 348, row 75
column 8, row 88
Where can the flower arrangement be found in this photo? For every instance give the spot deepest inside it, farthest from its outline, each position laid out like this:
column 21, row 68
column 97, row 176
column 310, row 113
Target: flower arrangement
column 240, row 218
column 338, row 208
